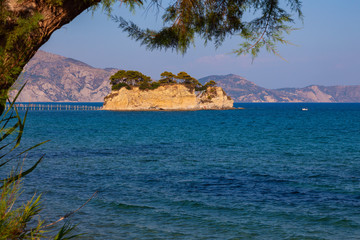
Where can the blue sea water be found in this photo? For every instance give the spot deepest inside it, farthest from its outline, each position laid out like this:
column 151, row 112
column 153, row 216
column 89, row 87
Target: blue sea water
column 270, row 171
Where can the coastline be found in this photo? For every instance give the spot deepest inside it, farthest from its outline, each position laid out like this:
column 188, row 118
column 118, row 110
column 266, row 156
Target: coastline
column 172, row 110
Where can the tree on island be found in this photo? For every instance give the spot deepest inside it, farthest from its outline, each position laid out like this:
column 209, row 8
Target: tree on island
column 167, row 77
column 211, row 83
column 188, row 80
column 131, row 78
column 27, row 25
column 126, row 79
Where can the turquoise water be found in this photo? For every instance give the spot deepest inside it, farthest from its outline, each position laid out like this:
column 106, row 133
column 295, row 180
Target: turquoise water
column 270, row 171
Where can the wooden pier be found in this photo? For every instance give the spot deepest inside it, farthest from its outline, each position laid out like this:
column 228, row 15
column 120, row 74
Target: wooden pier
column 54, row 107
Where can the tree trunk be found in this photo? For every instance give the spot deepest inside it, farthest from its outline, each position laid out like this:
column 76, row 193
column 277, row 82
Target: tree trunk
column 25, row 26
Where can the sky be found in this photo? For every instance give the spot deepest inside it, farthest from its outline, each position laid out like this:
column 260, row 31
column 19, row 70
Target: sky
column 326, row 48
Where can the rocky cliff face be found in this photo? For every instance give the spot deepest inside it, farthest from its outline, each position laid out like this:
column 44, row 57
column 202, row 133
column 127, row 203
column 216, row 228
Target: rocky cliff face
column 53, row 78
column 167, row 97
column 242, row 90
column 214, row 98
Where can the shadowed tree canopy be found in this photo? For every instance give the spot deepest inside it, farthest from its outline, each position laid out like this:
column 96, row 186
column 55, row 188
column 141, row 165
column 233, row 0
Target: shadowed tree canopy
column 25, row 25
column 211, row 83
column 123, row 78
column 167, row 77
column 187, row 79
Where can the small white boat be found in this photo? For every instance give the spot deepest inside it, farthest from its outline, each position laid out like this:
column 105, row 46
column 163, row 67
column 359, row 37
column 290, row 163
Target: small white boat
column 304, row 109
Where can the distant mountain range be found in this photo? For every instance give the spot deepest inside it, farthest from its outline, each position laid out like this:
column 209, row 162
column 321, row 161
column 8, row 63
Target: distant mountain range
column 242, row 90
column 54, row 78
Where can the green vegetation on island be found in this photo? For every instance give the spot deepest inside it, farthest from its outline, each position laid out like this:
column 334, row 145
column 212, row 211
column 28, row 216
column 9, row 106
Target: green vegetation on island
column 129, row 79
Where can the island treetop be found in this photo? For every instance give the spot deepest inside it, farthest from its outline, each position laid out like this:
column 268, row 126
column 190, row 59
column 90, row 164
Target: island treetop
column 130, row 78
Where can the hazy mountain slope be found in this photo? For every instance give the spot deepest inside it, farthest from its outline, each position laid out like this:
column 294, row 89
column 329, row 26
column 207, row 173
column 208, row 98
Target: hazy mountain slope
column 343, row 93
column 53, row 78
column 317, row 93
column 242, row 90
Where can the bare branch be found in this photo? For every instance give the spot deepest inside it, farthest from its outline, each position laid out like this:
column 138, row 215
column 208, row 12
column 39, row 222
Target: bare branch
column 70, row 213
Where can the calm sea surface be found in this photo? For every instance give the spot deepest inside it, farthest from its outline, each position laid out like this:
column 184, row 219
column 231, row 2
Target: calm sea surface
column 270, row 171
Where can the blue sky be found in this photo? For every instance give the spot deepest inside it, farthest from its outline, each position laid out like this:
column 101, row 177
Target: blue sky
column 327, row 50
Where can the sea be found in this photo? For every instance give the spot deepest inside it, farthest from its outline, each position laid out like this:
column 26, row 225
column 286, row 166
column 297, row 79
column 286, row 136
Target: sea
column 268, row 171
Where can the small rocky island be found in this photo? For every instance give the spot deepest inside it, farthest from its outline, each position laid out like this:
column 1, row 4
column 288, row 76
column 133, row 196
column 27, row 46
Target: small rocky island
column 133, row 91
